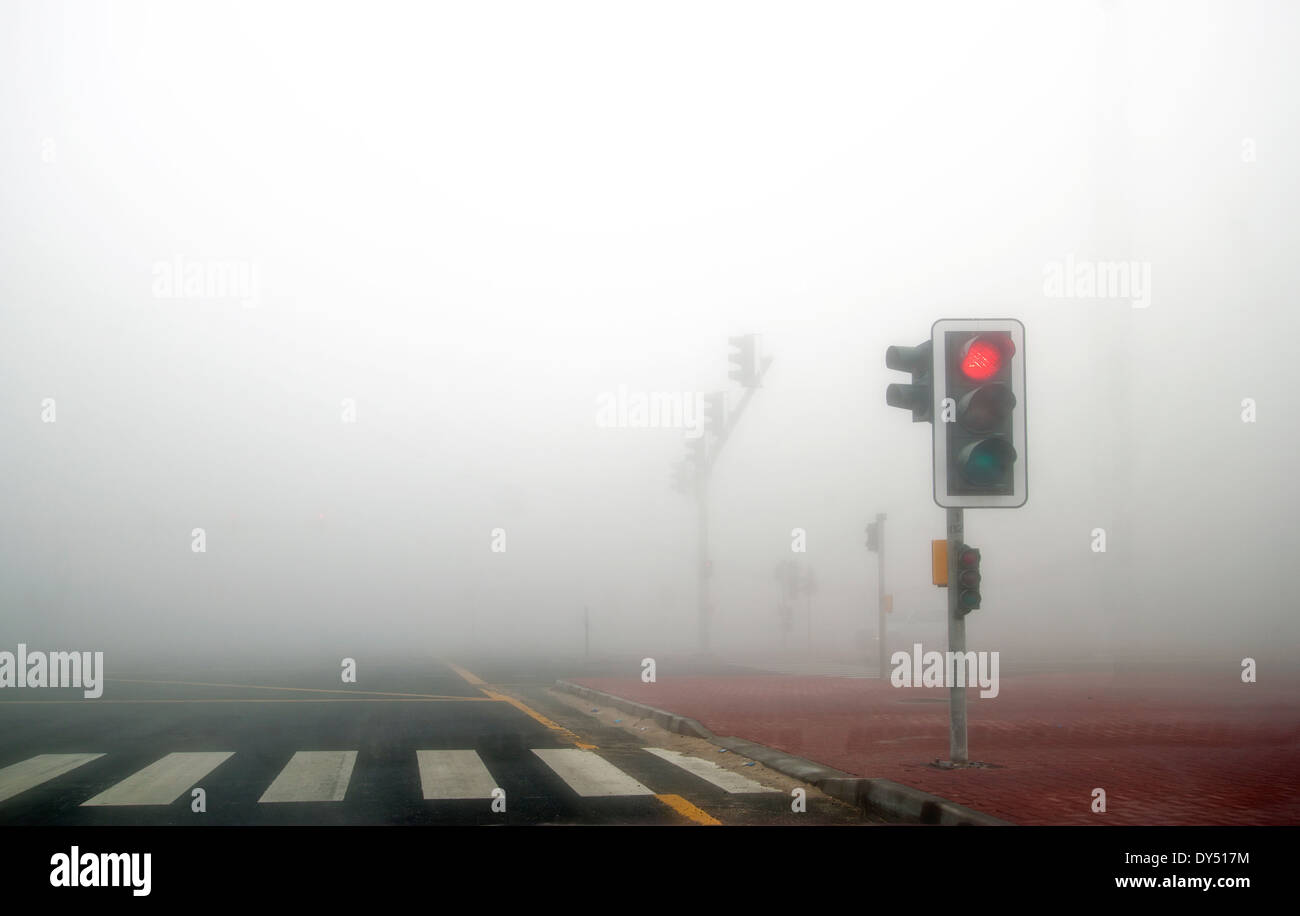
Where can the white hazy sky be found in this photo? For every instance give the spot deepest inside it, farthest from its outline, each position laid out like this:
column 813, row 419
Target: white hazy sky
column 473, row 219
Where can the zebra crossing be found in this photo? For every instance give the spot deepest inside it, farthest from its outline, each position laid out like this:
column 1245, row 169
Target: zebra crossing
column 317, row 776
column 160, row 783
column 324, row 776
column 453, row 774
column 30, row 773
column 590, row 775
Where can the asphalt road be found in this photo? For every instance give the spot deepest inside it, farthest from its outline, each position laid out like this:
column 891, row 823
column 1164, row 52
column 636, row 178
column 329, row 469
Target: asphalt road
column 291, row 743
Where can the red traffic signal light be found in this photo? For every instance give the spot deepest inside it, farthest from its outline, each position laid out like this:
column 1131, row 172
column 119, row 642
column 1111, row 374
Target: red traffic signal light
column 982, row 357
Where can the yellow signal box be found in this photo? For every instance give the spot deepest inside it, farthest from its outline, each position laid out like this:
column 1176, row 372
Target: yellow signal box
column 939, row 562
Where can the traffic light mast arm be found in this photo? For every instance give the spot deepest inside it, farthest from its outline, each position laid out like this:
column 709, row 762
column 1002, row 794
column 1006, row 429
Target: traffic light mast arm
column 734, row 417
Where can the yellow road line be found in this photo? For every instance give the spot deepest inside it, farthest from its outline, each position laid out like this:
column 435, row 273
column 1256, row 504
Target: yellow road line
column 378, row 693
column 687, row 810
column 477, row 682
column 522, row 707
column 553, row 726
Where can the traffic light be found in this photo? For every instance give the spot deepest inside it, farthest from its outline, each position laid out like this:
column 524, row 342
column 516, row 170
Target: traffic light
column 715, row 412
column 744, row 360
column 979, row 439
column 968, row 579
column 917, row 397
column 873, row 536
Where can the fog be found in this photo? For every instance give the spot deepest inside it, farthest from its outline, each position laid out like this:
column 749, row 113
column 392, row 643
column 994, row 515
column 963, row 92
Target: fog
column 461, row 226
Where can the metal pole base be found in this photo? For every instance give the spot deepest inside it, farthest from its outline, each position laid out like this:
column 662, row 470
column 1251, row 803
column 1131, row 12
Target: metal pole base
column 949, row 765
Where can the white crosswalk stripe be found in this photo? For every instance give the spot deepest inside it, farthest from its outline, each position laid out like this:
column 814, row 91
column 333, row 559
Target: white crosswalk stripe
column 28, row 774
column 589, row 774
column 324, row 776
column 710, row 772
column 162, row 782
column 312, row 776
column 454, row 774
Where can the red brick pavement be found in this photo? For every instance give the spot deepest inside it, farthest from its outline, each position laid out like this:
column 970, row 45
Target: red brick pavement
column 1168, row 749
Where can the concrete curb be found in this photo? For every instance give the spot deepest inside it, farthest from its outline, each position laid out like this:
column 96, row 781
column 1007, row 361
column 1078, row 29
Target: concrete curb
column 880, row 796
column 680, row 725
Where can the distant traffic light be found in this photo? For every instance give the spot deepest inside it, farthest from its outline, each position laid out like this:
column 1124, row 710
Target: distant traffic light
column 979, row 439
column 744, row 360
column 917, row 397
column 968, row 579
column 873, row 536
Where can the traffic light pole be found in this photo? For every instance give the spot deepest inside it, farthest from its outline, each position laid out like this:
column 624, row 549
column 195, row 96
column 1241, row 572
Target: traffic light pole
column 956, row 641
column 880, row 591
column 734, row 417
column 702, row 505
column 978, row 366
column 702, row 500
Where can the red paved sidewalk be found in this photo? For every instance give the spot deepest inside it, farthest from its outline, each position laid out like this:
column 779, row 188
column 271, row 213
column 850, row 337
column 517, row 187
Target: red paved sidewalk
column 1168, row 749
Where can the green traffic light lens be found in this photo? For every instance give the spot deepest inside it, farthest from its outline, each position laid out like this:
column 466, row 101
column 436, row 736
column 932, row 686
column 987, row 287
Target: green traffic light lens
column 970, row 599
column 986, row 463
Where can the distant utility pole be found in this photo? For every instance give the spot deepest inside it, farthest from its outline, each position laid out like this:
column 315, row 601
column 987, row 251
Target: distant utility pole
column 808, row 585
column 876, row 544
column 785, row 576
column 748, row 368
